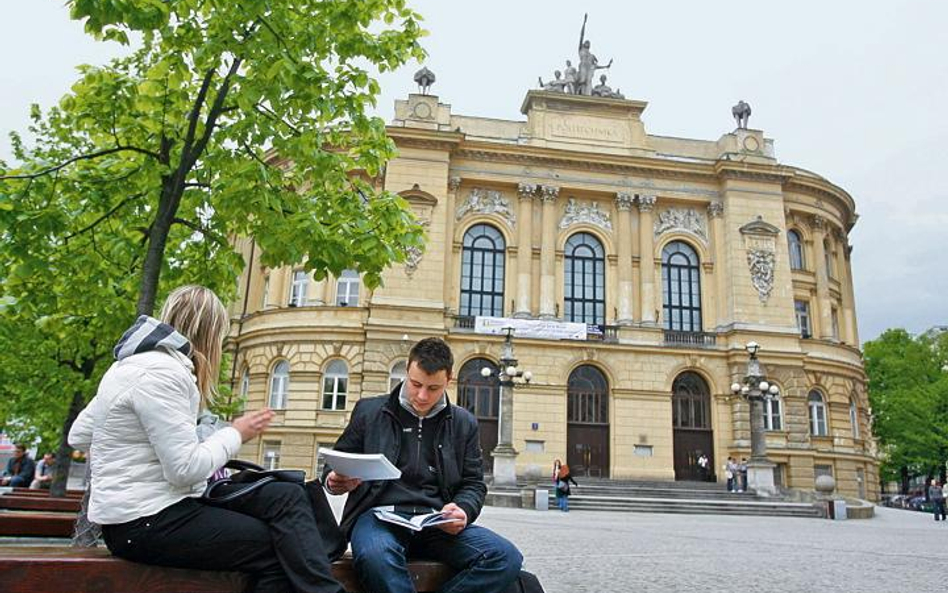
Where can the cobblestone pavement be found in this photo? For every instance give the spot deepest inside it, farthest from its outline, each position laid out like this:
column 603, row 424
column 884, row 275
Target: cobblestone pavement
column 599, row 552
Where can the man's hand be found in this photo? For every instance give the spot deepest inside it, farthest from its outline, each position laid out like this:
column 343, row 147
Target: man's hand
column 340, row 484
column 455, row 512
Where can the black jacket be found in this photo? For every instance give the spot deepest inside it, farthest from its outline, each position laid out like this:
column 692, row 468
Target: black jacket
column 374, row 428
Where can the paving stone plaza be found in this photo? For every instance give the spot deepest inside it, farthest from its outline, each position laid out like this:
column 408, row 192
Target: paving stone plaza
column 644, row 553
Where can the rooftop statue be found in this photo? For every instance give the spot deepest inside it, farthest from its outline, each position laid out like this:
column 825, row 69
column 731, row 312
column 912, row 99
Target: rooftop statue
column 425, row 78
column 557, row 85
column 741, row 113
column 588, row 63
column 570, row 76
column 604, row 90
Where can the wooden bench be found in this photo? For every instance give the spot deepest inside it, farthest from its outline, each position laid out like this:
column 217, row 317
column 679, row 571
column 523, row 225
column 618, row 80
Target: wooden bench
column 31, row 524
column 43, row 493
column 36, row 503
column 33, row 569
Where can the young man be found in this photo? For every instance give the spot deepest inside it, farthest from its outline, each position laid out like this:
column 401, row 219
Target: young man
column 20, row 469
column 43, row 477
column 437, row 448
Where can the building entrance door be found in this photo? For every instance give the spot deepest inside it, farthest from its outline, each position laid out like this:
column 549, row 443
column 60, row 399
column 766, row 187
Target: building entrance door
column 693, row 437
column 481, row 396
column 587, row 430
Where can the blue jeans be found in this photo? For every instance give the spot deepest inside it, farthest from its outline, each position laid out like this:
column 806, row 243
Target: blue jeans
column 486, row 562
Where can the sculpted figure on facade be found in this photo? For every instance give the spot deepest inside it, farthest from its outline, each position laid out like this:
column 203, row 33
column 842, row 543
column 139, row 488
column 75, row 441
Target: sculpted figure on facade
column 557, row 85
column 586, row 213
column 570, row 75
column 682, row 219
column 425, row 78
column 761, row 263
column 604, row 90
column 741, row 113
column 487, row 201
column 588, row 64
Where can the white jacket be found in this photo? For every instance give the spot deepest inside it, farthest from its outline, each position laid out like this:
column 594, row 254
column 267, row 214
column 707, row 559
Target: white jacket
column 140, row 432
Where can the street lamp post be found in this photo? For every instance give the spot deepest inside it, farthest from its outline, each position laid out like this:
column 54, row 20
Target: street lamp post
column 505, row 456
column 755, row 388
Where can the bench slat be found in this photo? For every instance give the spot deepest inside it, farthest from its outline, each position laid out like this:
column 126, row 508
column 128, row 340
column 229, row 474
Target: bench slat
column 30, row 503
column 82, row 569
column 36, row 524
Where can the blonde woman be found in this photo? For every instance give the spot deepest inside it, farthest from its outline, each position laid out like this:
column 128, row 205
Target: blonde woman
column 149, row 469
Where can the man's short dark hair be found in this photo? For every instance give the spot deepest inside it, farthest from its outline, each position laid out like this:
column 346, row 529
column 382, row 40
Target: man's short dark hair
column 432, row 355
column 20, row 447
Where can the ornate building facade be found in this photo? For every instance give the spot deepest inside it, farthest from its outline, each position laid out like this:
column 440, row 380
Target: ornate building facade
column 669, row 254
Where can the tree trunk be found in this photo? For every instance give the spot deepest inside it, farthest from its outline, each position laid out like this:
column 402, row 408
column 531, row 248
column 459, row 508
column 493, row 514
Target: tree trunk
column 64, row 453
column 905, row 480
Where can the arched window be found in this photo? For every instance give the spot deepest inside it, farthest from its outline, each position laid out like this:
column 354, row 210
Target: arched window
column 796, row 250
column 817, row 414
column 482, row 272
column 772, row 419
column 478, row 394
column 587, row 396
column 279, row 385
column 854, row 417
column 691, row 400
column 585, row 277
column 299, row 288
column 335, row 385
column 397, row 374
column 245, row 383
column 681, row 287
column 347, row 289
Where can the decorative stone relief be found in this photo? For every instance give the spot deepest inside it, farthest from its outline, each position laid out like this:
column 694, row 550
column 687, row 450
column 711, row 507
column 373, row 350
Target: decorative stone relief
column 526, row 191
column 624, row 201
column 760, row 243
column 587, row 213
column 647, row 203
column 487, row 201
column 549, row 193
column 454, row 183
column 716, row 209
column 682, row 219
column 415, row 253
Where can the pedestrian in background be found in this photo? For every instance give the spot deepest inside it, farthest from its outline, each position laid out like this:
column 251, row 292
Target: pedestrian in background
column 742, row 470
column 730, row 471
column 43, row 477
column 20, row 469
column 937, row 496
column 563, row 478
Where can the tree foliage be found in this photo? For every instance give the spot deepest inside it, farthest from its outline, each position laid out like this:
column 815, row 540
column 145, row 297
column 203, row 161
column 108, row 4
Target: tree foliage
column 227, row 119
column 908, row 392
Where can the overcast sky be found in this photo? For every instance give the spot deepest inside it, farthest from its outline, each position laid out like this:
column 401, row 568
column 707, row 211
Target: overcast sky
column 856, row 91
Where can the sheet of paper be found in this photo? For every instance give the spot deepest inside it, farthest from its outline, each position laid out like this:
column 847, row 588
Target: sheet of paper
column 366, row 466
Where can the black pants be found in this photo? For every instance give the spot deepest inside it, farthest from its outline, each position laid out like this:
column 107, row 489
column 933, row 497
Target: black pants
column 270, row 533
column 939, row 508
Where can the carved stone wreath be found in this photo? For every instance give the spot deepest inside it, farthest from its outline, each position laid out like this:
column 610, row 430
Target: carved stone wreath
column 415, row 253
column 487, row 201
column 688, row 220
column 761, row 263
column 587, row 213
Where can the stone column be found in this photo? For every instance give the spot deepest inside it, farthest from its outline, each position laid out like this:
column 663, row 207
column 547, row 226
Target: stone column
column 646, row 260
column 851, row 303
column 624, row 239
column 716, row 214
column 845, row 286
column 548, row 195
column 454, row 184
column 822, row 279
column 526, row 191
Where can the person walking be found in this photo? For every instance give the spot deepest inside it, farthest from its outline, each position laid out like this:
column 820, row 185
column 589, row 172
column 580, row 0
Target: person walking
column 563, row 478
column 937, row 495
column 730, row 472
column 150, row 468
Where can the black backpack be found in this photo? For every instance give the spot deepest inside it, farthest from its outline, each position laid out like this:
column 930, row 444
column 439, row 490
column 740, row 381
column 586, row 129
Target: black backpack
column 526, row 582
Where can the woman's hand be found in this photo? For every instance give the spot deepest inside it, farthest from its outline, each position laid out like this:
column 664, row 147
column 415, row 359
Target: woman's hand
column 252, row 424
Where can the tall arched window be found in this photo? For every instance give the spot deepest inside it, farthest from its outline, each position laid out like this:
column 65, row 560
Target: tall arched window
column 854, row 417
column 796, row 250
column 245, row 383
column 279, row 385
column 478, row 394
column 588, row 396
column 347, row 289
column 772, row 417
column 691, row 400
column 817, row 414
column 681, row 287
column 585, row 277
column 482, row 272
column 397, row 374
column 335, row 385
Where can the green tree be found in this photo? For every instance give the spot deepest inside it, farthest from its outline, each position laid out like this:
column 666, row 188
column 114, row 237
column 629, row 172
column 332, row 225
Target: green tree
column 229, row 119
column 908, row 392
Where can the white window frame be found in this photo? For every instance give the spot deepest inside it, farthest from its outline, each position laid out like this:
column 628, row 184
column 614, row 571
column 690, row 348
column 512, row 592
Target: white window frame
column 817, row 412
column 773, row 419
column 803, row 318
column 266, row 292
column 796, row 249
column 245, row 383
column 299, row 288
column 397, row 374
column 347, row 289
column 271, row 454
column 335, row 385
column 279, row 385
